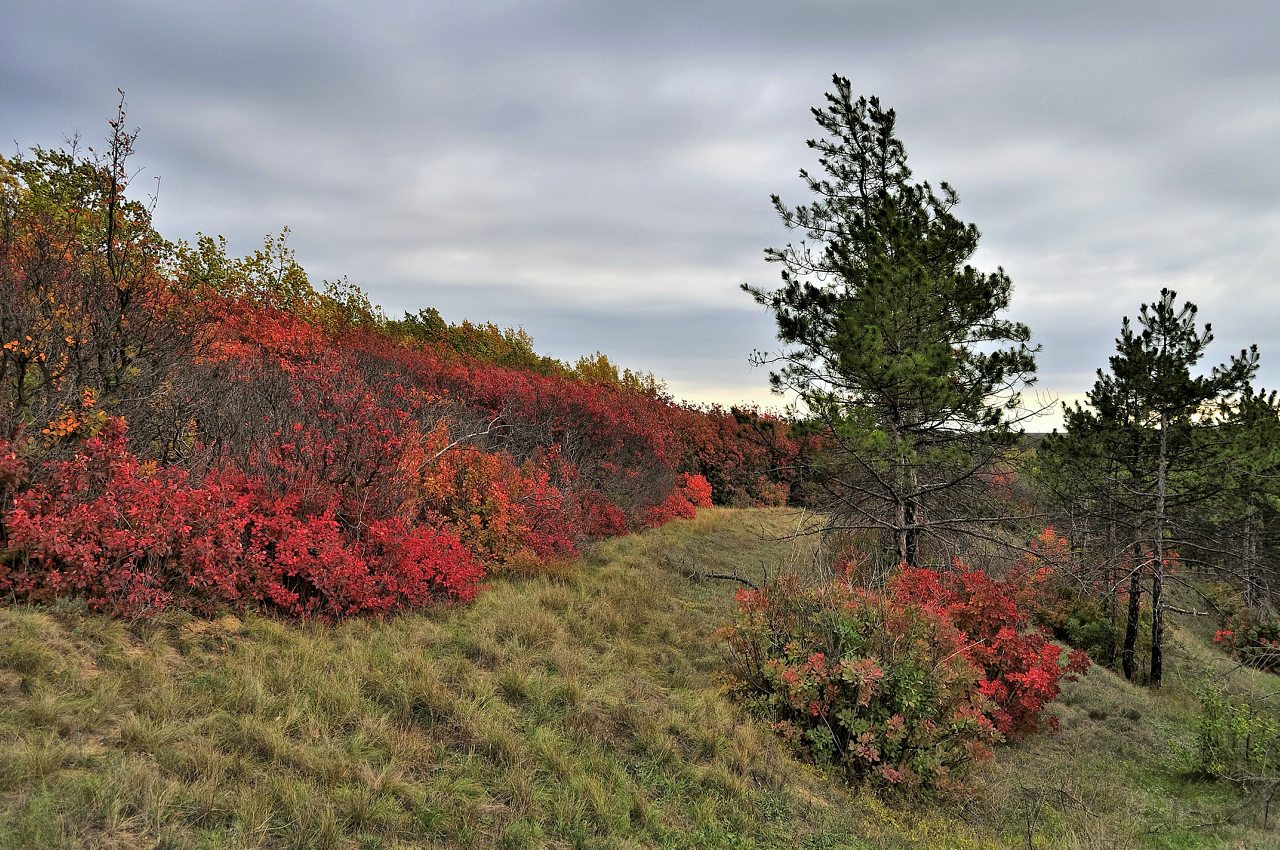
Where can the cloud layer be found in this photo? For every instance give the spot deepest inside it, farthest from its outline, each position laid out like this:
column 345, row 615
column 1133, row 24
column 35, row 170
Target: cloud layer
column 599, row 173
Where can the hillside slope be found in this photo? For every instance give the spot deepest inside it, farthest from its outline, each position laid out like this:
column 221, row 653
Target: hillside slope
column 579, row 711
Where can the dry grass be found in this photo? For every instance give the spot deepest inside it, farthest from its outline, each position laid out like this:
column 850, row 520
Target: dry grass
column 581, row 711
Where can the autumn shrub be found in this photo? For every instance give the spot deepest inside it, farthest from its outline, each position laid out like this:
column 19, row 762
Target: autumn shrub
column 1074, row 601
column 181, row 427
column 131, row 536
column 96, row 528
column 84, row 299
column 510, row 516
column 300, row 457
column 749, row 458
column 690, row 493
column 899, row 685
column 623, row 446
column 884, row 691
column 602, row 518
column 1090, row 625
column 1021, row 666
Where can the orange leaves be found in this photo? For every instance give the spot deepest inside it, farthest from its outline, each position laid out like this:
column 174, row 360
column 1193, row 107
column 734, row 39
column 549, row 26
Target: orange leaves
column 62, row 426
column 84, row 421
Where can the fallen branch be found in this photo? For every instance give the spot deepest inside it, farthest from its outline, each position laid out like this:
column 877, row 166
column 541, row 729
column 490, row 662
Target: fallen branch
column 1178, row 610
column 698, row 576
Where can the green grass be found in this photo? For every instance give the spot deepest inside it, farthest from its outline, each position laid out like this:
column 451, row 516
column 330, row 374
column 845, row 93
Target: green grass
column 585, row 711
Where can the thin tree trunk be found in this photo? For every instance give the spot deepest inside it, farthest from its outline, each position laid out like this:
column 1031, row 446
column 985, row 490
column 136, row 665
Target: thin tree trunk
column 900, row 531
column 1135, row 599
column 1157, row 576
column 1250, row 556
column 904, row 506
column 1109, row 600
column 911, row 534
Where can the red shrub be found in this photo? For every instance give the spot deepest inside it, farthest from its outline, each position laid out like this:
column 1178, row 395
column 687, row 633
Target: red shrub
column 690, row 493
column 883, row 690
column 290, row 448
column 130, row 537
column 603, row 518
column 696, row 489
column 749, row 458
column 97, row 527
column 1021, row 667
column 898, row 686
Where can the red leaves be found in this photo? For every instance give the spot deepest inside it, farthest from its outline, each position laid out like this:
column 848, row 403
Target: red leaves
column 691, row 492
column 1021, row 667
column 1251, row 638
column 747, row 457
column 334, row 472
column 103, row 527
column 292, row 449
column 696, row 489
column 900, row 685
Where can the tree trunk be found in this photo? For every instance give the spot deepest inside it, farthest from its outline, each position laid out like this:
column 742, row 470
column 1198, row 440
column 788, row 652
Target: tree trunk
column 1250, row 556
column 1109, row 580
column 904, row 533
column 900, row 531
column 1157, row 576
column 911, row 534
column 1135, row 599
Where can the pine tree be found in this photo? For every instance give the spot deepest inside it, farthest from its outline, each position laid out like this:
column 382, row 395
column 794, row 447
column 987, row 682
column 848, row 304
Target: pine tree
column 1239, row 534
column 897, row 344
column 1144, row 427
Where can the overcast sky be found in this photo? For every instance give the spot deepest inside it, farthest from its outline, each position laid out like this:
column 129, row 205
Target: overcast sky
column 599, row 173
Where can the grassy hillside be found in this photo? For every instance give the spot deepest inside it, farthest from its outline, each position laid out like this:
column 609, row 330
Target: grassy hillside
column 581, row 711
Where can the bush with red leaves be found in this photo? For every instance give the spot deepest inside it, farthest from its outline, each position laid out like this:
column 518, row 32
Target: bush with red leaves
column 898, row 686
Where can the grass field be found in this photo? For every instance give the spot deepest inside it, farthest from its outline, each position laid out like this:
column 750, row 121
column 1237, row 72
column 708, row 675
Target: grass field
column 580, row 711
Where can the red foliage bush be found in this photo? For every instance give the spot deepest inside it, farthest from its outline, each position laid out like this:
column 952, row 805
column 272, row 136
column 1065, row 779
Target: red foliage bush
column 696, row 489
column 509, row 515
column 748, row 458
column 326, row 475
column 603, row 518
column 131, row 537
column 883, row 690
column 691, row 492
column 1021, row 667
column 291, row 448
column 898, row 686
column 1251, row 638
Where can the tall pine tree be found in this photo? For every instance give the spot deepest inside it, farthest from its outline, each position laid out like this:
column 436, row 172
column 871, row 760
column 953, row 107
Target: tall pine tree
column 896, row 343
column 1141, row 439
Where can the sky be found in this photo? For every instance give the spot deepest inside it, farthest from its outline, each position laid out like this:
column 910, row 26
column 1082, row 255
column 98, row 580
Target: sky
column 599, row 173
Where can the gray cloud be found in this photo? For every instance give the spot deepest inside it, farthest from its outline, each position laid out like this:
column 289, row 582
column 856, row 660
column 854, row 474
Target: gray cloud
column 599, row 172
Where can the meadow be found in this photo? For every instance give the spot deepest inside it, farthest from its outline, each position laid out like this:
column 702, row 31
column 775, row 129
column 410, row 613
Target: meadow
column 585, row 709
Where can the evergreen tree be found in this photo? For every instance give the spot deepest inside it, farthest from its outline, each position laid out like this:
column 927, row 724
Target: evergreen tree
column 1143, row 433
column 896, row 343
column 1239, row 534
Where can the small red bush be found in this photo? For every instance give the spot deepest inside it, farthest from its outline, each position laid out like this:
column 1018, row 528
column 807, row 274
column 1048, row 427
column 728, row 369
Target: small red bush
column 1021, row 667
column 898, row 686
